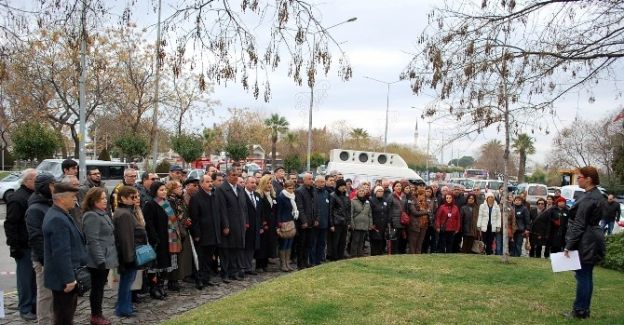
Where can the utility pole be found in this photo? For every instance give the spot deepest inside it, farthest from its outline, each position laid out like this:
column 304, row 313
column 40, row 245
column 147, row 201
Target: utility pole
column 82, row 166
column 156, row 93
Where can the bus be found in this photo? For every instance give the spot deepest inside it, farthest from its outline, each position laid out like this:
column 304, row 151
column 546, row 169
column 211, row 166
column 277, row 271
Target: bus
column 476, row 173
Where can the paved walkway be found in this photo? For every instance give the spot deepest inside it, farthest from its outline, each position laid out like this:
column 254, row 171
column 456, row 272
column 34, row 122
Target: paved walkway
column 152, row 311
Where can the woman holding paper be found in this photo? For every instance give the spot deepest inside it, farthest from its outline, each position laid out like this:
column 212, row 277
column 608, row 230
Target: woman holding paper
column 584, row 234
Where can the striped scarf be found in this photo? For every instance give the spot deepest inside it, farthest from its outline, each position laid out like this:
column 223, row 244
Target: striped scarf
column 175, row 245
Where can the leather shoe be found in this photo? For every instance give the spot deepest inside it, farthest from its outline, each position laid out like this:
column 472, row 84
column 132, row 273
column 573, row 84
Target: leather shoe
column 210, row 283
column 28, row 317
column 251, row 272
column 225, row 280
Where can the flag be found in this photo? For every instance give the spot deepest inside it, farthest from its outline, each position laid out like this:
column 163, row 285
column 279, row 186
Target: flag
column 619, row 116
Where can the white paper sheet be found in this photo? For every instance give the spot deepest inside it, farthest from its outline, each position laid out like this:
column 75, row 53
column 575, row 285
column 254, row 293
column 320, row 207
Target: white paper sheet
column 560, row 263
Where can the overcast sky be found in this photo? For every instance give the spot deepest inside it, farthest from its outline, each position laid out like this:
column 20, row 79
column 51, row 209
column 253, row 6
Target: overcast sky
column 378, row 45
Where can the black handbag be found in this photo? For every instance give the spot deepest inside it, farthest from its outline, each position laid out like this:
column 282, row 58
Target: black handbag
column 83, row 280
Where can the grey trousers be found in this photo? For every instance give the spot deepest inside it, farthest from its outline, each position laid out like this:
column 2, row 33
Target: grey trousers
column 231, row 260
column 248, row 257
column 45, row 313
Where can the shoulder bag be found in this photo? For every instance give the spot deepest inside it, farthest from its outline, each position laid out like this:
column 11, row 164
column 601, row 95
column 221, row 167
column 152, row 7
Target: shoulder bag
column 144, row 254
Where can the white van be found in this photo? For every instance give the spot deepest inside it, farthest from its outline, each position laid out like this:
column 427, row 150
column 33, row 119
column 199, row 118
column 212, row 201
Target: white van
column 369, row 166
column 112, row 172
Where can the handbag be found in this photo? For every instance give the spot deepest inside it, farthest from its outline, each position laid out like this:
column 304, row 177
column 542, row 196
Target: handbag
column 478, row 247
column 287, row 230
column 144, row 254
column 83, row 280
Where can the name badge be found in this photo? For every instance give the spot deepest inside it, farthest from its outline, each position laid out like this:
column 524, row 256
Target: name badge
column 385, row 203
column 257, row 199
column 274, row 202
column 409, row 201
column 366, row 202
column 326, row 200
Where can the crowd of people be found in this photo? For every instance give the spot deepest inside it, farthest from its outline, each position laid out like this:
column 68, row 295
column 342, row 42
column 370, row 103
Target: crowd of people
column 231, row 225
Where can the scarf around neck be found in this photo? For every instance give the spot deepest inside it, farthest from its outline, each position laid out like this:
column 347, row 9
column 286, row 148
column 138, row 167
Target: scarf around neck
column 295, row 212
column 175, row 245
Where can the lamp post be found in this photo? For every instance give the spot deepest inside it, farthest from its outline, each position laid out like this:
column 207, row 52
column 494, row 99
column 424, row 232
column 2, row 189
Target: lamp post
column 311, row 85
column 387, row 106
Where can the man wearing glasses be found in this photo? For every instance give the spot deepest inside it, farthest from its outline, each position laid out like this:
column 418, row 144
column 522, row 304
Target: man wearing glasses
column 130, row 177
column 94, row 179
column 147, row 179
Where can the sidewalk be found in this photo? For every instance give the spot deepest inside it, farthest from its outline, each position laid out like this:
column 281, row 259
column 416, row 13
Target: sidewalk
column 152, row 311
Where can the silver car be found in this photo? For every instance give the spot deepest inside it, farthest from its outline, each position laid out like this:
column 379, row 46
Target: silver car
column 8, row 185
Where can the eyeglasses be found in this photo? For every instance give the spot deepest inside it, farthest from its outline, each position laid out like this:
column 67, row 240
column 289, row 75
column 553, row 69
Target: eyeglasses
column 134, row 197
column 95, row 174
column 540, row 203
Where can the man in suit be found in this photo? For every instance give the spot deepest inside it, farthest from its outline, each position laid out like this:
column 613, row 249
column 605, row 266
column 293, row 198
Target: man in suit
column 64, row 251
column 304, row 197
column 278, row 182
column 206, row 227
column 252, row 235
column 232, row 207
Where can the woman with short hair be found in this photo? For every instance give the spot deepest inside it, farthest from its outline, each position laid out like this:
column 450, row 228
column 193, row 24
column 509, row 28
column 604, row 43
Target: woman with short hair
column 489, row 223
column 361, row 221
column 470, row 217
column 447, row 224
column 99, row 233
column 129, row 233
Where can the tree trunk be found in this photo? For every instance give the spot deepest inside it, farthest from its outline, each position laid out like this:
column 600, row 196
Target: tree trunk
column 273, row 151
column 522, row 167
column 76, row 139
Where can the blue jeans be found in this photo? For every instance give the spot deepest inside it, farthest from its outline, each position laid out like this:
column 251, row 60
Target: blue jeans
column 584, row 287
column 124, row 296
column 285, row 244
column 515, row 248
column 26, row 283
column 317, row 255
column 499, row 243
column 607, row 226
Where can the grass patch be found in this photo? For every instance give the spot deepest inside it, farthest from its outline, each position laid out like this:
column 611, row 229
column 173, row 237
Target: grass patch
column 416, row 289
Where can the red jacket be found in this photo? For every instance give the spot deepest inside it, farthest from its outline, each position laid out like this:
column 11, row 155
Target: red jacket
column 453, row 222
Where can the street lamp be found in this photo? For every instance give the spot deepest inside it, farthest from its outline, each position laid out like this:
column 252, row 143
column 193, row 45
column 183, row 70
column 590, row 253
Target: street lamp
column 387, row 106
column 312, row 88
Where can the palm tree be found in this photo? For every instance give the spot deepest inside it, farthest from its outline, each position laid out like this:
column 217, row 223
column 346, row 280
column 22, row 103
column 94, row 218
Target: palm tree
column 277, row 124
column 523, row 146
column 359, row 135
column 291, row 139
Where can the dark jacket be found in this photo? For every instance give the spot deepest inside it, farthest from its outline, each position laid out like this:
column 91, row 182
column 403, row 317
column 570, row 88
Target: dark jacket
column 206, row 223
column 558, row 227
column 268, row 239
column 304, row 197
column 278, row 186
column 99, row 233
column 254, row 219
column 398, row 206
column 610, row 211
column 86, row 186
column 415, row 213
column 15, row 223
column 469, row 217
column 284, row 209
column 541, row 223
column 38, row 206
column 128, row 235
column 523, row 220
column 157, row 227
column 379, row 212
column 233, row 213
column 144, row 193
column 64, row 249
column 339, row 209
column 321, row 207
column 583, row 233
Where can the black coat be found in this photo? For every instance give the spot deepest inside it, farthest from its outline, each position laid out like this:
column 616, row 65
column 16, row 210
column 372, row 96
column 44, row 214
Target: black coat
column 321, row 207
column 38, row 206
column 583, row 232
column 379, row 211
column 339, row 209
column 233, row 212
column 523, row 220
column 254, row 217
column 15, row 223
column 304, row 197
column 206, row 223
column 268, row 238
column 157, row 226
column 542, row 223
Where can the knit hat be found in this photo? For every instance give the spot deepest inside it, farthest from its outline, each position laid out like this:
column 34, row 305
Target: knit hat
column 42, row 184
column 340, row 182
column 560, row 199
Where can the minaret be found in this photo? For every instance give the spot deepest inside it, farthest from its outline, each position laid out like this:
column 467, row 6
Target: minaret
column 416, row 135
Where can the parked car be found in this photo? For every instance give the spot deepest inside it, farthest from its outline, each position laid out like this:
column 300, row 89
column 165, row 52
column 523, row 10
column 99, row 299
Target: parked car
column 467, row 183
column 490, row 184
column 533, row 191
column 112, row 172
column 195, row 174
column 572, row 192
column 552, row 189
column 8, row 185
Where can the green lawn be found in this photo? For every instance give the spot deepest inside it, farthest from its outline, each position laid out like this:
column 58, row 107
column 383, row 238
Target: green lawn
column 417, row 289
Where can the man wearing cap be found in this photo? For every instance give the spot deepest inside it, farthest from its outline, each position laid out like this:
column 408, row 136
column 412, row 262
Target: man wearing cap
column 17, row 240
column 130, row 178
column 278, row 182
column 64, row 251
column 38, row 204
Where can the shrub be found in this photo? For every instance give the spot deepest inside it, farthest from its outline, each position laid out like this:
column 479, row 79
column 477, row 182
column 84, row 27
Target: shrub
column 614, row 258
column 163, row 167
